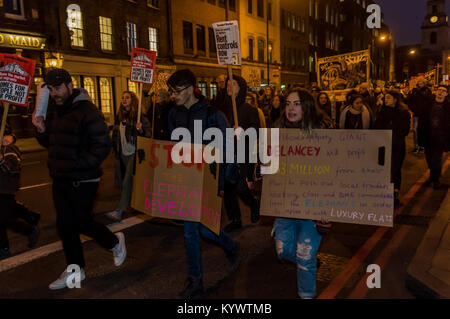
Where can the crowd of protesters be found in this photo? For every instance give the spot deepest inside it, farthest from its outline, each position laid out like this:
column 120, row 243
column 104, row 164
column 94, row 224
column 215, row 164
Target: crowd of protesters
column 77, row 138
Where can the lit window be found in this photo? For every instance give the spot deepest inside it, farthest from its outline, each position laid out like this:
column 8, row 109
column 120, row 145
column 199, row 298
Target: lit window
column 105, row 33
column 132, row 86
column 75, row 24
column 75, row 81
column 153, row 39
column 89, row 86
column 14, row 9
column 213, row 90
column 131, row 36
column 106, row 99
column 202, row 87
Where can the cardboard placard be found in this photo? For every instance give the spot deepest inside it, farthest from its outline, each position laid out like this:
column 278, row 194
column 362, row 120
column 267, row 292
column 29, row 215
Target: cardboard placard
column 336, row 175
column 16, row 74
column 164, row 189
column 143, row 63
column 228, row 44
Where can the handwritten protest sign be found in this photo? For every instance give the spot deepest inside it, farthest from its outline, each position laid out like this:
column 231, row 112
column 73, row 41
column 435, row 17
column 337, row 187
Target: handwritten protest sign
column 143, row 64
column 345, row 71
column 227, row 42
column 175, row 191
column 337, row 175
column 16, row 74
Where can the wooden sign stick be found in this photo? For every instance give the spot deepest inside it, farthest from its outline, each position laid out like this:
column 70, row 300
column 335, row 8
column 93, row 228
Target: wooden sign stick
column 5, row 116
column 140, row 103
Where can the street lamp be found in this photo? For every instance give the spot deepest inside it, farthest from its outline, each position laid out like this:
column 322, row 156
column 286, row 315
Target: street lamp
column 52, row 60
column 412, row 52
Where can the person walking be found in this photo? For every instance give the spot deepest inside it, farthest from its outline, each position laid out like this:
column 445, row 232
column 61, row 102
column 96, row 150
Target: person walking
column 78, row 141
column 189, row 108
column 394, row 116
column 356, row 116
column 125, row 133
column 247, row 118
column 298, row 240
column 434, row 133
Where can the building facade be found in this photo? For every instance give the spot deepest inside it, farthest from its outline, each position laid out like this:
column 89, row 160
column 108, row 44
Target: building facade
column 193, row 44
column 22, row 33
column 294, row 35
column 260, row 42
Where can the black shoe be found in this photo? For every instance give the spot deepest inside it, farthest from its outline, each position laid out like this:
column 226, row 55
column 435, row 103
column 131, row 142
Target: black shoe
column 4, row 253
column 436, row 185
column 194, row 289
column 255, row 211
column 33, row 237
column 234, row 257
column 234, row 225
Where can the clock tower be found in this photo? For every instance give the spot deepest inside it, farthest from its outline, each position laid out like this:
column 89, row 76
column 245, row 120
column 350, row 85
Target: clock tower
column 435, row 29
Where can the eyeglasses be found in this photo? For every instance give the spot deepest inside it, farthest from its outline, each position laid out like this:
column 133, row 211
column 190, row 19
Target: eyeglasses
column 177, row 92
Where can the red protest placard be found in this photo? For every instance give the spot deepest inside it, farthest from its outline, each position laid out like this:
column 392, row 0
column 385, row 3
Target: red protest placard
column 143, row 63
column 16, row 74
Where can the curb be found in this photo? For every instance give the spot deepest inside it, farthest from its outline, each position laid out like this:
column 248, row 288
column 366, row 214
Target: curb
column 420, row 281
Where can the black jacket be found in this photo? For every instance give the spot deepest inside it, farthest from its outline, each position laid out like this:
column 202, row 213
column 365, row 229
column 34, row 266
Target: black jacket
column 427, row 134
column 77, row 139
column 420, row 100
column 10, row 169
column 396, row 119
column 161, row 120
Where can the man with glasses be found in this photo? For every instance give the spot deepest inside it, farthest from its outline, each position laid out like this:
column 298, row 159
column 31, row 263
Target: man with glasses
column 190, row 107
column 434, row 133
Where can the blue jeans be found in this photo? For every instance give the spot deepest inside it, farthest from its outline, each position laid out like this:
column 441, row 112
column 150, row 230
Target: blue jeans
column 192, row 240
column 297, row 240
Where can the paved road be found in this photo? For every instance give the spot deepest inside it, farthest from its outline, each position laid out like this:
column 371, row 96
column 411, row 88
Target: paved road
column 156, row 266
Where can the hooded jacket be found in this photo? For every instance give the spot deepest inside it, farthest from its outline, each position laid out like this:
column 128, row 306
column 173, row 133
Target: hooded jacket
column 420, row 100
column 77, row 139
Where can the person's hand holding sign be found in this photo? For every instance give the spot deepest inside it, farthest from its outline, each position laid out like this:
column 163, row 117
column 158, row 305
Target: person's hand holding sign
column 7, row 140
column 38, row 122
column 139, row 127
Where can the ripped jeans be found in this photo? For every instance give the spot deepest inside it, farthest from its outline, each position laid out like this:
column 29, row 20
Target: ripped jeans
column 297, row 240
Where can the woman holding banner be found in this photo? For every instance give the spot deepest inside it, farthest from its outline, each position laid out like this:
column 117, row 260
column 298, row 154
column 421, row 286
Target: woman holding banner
column 394, row 115
column 298, row 240
column 125, row 132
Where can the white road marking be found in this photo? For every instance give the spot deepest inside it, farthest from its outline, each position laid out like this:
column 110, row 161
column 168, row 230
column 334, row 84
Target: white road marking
column 35, row 186
column 49, row 249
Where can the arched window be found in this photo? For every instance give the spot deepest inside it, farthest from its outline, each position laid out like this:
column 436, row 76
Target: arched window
column 433, row 38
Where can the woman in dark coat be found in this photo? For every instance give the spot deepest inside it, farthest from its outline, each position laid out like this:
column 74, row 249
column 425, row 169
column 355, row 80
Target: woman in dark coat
column 394, row 115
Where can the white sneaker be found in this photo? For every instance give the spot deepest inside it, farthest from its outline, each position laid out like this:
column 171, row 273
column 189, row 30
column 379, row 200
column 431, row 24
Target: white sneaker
column 115, row 215
column 61, row 282
column 120, row 250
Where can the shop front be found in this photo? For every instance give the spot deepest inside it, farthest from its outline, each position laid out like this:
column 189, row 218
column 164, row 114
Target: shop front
column 29, row 45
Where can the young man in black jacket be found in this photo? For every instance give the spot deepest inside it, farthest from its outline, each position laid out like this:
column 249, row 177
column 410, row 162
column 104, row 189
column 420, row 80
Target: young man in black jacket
column 190, row 108
column 434, row 133
column 78, row 141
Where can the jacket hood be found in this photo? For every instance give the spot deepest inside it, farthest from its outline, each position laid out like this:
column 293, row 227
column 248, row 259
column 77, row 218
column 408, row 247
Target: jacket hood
column 240, row 98
column 83, row 95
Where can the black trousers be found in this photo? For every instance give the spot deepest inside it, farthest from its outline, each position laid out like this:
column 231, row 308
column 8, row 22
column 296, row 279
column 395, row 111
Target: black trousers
column 74, row 203
column 433, row 154
column 398, row 156
column 9, row 221
column 233, row 191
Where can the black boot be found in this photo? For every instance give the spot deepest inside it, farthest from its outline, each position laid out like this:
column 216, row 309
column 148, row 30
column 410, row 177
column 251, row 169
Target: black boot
column 194, row 289
column 255, row 211
column 234, row 225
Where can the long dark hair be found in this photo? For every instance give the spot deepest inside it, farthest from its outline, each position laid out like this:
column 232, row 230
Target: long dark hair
column 399, row 104
column 312, row 116
column 122, row 114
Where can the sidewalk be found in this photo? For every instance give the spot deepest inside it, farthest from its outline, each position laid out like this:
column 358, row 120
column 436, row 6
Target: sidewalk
column 429, row 271
column 28, row 145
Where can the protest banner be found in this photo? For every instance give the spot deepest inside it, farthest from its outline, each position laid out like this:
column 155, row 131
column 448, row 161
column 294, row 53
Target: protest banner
column 143, row 63
column 341, row 73
column 167, row 190
column 16, row 75
column 228, row 48
column 336, row 175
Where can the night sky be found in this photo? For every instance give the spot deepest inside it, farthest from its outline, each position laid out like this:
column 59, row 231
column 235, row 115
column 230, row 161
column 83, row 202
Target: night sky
column 404, row 18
